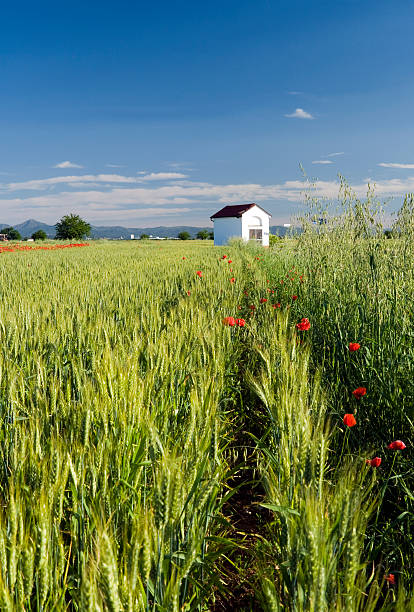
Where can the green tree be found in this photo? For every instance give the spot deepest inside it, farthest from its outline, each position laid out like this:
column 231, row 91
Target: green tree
column 72, row 227
column 203, row 235
column 144, row 237
column 11, row 233
column 211, row 235
column 39, row 235
column 184, row 236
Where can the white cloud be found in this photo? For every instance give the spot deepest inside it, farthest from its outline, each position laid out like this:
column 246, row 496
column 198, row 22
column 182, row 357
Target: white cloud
column 391, row 165
column 322, row 161
column 56, row 180
column 114, row 166
column 295, row 93
column 74, row 180
column 336, row 154
column 163, row 176
column 67, row 164
column 119, row 215
column 300, row 114
column 115, row 198
column 180, row 166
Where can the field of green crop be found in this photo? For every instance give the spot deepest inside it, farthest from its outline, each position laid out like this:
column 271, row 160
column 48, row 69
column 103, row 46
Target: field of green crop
column 173, row 429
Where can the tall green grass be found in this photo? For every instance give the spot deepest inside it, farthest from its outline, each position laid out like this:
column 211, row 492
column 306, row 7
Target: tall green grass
column 357, row 286
column 128, row 411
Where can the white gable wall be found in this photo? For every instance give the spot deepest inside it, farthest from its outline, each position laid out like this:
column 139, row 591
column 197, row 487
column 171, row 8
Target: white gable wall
column 226, row 228
column 256, row 218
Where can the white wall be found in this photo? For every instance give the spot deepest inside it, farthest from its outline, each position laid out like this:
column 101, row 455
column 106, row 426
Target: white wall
column 226, row 228
column 250, row 222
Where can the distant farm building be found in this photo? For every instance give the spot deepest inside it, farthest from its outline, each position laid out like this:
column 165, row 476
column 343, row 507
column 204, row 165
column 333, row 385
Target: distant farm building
column 246, row 221
column 3, row 238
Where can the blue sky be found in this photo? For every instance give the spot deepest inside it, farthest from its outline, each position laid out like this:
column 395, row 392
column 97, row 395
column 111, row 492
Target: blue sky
column 155, row 113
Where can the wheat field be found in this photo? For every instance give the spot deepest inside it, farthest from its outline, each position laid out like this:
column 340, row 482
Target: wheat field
column 143, row 384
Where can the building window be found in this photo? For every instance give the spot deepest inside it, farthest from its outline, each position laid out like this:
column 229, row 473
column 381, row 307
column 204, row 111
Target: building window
column 255, row 234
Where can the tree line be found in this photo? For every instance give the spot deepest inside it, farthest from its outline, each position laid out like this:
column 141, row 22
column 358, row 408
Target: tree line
column 72, row 227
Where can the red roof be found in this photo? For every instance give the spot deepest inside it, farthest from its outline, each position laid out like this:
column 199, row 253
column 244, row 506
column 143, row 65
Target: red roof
column 235, row 211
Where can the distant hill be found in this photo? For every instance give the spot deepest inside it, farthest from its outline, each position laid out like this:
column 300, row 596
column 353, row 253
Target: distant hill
column 279, row 230
column 113, row 232
column 160, row 231
column 27, row 228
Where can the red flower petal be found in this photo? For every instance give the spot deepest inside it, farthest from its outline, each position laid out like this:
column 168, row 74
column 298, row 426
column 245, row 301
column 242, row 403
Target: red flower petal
column 359, row 392
column 349, row 420
column 397, row 445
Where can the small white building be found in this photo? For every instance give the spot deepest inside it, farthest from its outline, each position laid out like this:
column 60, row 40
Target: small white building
column 246, row 221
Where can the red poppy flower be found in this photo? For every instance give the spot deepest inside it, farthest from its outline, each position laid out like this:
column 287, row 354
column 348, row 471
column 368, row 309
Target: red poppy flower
column 199, row 273
column 349, row 420
column 224, row 256
column 183, row 257
column 294, row 297
column 232, row 279
column 188, row 293
column 252, row 307
column 375, row 462
column 246, row 292
column 278, row 305
column 230, row 321
column 397, row 445
column 240, row 322
column 390, row 578
column 304, row 325
column 263, row 300
column 354, row 346
column 229, row 261
column 359, row 392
